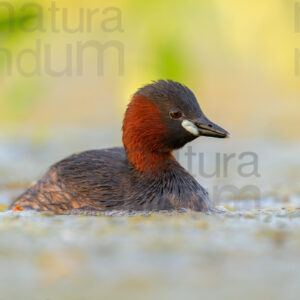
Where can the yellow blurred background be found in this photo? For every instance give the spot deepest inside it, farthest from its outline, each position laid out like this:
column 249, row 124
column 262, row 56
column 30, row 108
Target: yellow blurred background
column 237, row 56
column 67, row 71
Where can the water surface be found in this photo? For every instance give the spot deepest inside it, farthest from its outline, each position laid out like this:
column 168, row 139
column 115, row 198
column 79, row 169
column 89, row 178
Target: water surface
column 249, row 251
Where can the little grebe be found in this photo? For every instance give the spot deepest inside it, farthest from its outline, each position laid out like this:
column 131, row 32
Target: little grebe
column 144, row 175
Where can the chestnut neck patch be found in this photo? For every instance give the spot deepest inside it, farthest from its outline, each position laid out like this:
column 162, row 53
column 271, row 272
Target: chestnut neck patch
column 144, row 135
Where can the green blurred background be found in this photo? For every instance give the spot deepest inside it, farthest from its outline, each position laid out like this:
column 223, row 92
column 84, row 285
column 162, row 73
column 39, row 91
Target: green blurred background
column 239, row 59
column 237, row 56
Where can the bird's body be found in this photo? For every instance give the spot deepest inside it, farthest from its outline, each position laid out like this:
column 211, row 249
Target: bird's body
column 143, row 176
column 103, row 180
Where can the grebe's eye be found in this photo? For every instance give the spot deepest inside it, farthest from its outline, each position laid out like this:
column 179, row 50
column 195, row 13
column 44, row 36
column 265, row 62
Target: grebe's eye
column 176, row 114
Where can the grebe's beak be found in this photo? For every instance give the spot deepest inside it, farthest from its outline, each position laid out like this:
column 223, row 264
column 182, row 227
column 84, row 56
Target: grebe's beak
column 208, row 128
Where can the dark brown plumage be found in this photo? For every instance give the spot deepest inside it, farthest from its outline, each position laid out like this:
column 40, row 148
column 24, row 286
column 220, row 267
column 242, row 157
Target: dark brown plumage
column 144, row 175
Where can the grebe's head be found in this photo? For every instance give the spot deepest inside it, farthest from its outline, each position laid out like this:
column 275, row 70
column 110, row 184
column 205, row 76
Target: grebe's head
column 164, row 116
